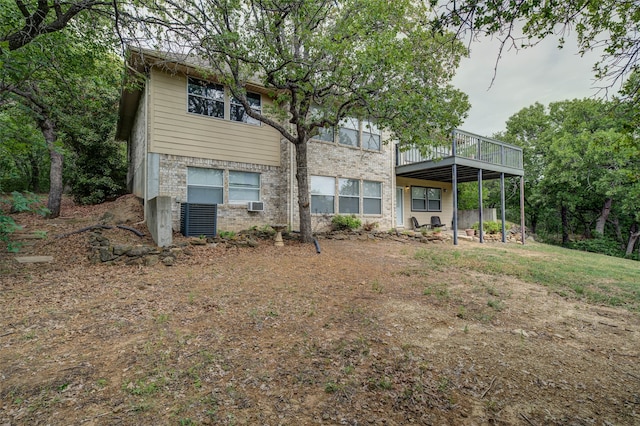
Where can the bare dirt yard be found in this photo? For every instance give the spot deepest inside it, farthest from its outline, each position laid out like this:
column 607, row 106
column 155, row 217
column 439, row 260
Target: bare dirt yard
column 365, row 333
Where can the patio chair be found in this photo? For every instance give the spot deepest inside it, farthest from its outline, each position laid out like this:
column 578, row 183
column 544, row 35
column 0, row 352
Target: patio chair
column 416, row 225
column 436, row 224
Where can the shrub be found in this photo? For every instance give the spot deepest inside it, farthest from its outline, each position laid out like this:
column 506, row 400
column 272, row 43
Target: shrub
column 342, row 223
column 27, row 202
column 8, row 227
column 602, row 245
column 489, row 227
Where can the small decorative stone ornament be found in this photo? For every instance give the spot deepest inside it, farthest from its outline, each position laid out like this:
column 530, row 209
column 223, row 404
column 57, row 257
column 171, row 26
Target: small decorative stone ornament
column 278, row 238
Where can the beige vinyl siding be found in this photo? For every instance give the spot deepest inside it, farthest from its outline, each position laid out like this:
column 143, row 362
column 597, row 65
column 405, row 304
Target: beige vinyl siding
column 175, row 131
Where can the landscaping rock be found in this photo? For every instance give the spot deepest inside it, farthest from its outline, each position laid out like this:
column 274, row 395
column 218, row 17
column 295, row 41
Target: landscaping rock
column 139, row 251
column 106, row 254
column 120, row 249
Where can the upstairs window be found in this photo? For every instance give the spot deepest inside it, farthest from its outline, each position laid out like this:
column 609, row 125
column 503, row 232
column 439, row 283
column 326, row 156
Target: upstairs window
column 353, row 133
column 325, row 134
column 205, row 98
column 349, row 132
column 371, row 136
column 238, row 113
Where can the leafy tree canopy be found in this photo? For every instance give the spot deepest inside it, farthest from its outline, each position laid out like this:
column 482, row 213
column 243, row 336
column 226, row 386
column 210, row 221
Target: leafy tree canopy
column 68, row 83
column 581, row 162
column 22, row 21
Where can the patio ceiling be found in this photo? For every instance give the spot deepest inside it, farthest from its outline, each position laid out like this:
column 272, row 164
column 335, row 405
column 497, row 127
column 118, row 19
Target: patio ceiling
column 467, row 170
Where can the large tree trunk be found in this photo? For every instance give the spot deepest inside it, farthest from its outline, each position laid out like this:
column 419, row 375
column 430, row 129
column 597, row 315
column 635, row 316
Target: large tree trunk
column 48, row 129
column 304, row 207
column 564, row 215
column 602, row 220
column 633, row 238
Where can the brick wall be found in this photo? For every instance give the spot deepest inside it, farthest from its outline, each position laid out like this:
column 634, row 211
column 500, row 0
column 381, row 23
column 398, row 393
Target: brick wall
column 231, row 217
column 280, row 198
column 334, row 160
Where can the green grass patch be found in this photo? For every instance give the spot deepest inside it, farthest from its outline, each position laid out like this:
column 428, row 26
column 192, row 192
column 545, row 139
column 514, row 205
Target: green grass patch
column 592, row 277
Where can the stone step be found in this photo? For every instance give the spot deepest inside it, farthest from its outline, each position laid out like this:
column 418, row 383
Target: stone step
column 34, row 259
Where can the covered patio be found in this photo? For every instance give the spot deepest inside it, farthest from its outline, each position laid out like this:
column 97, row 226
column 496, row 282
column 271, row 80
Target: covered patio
column 469, row 158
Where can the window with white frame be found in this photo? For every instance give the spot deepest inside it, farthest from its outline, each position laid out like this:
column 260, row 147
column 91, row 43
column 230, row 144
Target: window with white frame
column 326, row 134
column 238, row 113
column 349, row 132
column 244, row 186
column 371, row 136
column 426, row 199
column 210, row 99
column 353, row 196
column 205, row 98
column 323, row 191
column 349, row 192
column 204, row 186
column 371, row 197
column 354, row 133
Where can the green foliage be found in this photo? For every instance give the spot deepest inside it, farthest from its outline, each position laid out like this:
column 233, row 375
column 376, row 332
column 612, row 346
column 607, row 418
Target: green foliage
column 345, row 222
column 23, row 154
column 65, row 85
column 593, row 277
column 7, row 227
column 578, row 156
column 27, row 202
column 600, row 244
column 229, row 235
column 489, row 227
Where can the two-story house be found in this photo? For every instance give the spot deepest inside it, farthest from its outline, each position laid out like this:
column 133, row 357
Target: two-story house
column 191, row 144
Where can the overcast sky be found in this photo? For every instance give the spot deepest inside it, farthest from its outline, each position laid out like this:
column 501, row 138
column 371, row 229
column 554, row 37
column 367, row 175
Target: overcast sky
column 538, row 74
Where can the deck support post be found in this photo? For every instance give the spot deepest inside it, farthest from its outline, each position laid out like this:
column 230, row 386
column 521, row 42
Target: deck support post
column 503, row 209
column 522, row 236
column 480, row 215
column 454, row 188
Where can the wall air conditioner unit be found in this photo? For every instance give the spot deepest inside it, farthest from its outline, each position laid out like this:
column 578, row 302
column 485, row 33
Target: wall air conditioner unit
column 255, row 206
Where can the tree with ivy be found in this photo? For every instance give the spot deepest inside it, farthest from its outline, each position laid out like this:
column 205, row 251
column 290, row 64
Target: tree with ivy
column 322, row 61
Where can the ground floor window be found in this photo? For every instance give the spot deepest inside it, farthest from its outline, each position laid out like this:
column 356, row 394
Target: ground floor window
column 207, row 186
column 204, row 186
column 425, row 199
column 371, row 197
column 323, row 191
column 244, row 186
column 353, row 196
column 349, row 201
